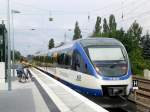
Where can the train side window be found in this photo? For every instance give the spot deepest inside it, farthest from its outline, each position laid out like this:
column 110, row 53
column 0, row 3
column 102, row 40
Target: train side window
column 67, row 59
column 59, row 59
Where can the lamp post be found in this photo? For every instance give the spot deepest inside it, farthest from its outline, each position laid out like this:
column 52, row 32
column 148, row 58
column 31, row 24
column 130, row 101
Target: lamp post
column 9, row 47
column 65, row 35
column 13, row 50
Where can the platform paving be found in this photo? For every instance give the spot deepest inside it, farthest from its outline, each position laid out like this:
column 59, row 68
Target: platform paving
column 24, row 97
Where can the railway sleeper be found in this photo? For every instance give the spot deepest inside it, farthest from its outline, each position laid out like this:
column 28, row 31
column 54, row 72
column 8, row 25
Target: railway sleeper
column 143, row 100
column 143, row 93
column 141, row 107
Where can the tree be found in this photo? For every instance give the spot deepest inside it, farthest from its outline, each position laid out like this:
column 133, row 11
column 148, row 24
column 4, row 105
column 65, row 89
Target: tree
column 146, row 46
column 134, row 48
column 135, row 32
column 17, row 55
column 97, row 30
column 105, row 28
column 77, row 32
column 51, row 43
column 112, row 23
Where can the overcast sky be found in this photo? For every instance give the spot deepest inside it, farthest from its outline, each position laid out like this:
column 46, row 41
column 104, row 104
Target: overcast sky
column 35, row 15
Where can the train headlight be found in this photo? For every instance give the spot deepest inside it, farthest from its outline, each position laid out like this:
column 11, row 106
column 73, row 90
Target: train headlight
column 97, row 69
column 124, row 69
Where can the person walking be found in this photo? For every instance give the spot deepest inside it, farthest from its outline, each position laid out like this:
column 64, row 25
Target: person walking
column 20, row 72
column 29, row 73
column 26, row 74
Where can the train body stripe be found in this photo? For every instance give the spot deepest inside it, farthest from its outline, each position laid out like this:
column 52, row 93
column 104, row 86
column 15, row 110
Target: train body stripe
column 83, row 90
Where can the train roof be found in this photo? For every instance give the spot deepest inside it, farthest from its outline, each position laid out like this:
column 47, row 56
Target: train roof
column 88, row 42
column 99, row 41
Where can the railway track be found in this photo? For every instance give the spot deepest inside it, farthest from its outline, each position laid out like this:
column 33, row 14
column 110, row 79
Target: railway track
column 141, row 96
column 114, row 105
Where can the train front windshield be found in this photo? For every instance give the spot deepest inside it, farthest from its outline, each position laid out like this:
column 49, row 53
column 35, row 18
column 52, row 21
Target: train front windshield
column 108, row 61
column 105, row 54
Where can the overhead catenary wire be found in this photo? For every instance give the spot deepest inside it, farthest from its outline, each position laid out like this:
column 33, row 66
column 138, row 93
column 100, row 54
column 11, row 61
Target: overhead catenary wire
column 102, row 8
column 64, row 11
column 135, row 7
column 126, row 5
column 116, row 10
column 113, row 10
column 48, row 10
column 141, row 15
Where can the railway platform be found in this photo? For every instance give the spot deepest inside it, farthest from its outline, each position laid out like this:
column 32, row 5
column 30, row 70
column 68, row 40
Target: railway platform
column 24, row 97
column 43, row 94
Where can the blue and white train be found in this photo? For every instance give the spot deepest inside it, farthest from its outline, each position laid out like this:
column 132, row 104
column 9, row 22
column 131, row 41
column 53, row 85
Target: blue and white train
column 94, row 66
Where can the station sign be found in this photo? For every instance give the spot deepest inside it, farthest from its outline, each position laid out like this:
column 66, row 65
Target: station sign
column 135, row 84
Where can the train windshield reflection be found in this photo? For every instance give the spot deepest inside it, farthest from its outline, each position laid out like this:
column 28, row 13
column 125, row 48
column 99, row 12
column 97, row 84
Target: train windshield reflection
column 105, row 54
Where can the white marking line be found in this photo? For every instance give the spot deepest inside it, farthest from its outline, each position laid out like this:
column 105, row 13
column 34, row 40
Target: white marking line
column 91, row 104
column 62, row 107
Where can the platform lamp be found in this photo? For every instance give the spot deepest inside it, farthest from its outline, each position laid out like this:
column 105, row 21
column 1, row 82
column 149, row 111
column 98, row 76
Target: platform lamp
column 13, row 50
column 50, row 16
column 65, row 35
column 9, row 47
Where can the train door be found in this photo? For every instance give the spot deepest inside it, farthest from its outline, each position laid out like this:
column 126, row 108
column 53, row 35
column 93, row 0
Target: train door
column 78, row 63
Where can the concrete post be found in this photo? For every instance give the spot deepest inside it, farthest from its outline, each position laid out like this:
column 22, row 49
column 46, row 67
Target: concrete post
column 146, row 73
column 2, row 75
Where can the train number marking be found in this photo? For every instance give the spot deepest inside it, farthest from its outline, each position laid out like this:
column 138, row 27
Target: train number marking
column 78, row 78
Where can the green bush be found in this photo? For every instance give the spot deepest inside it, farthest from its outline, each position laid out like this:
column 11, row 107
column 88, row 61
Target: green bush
column 138, row 64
